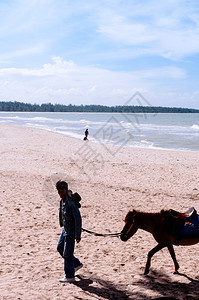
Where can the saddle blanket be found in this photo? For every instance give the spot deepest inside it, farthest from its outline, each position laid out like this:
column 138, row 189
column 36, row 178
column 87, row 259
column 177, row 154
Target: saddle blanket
column 191, row 227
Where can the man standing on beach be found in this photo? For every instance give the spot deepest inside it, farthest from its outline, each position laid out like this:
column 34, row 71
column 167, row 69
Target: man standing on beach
column 70, row 218
column 86, row 135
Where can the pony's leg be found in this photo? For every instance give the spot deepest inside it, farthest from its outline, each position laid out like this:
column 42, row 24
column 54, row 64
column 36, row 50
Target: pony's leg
column 150, row 254
column 171, row 251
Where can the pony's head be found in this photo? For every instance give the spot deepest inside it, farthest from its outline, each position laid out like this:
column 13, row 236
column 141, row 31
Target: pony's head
column 130, row 226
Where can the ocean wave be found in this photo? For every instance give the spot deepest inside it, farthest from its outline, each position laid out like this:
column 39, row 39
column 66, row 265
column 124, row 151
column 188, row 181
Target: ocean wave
column 113, row 121
column 176, row 133
column 195, row 127
column 7, row 121
column 71, row 134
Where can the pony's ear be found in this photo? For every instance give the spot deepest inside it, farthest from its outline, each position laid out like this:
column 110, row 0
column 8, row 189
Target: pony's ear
column 133, row 213
column 130, row 214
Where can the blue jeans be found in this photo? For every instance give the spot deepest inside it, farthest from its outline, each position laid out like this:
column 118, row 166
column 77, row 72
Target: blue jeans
column 65, row 248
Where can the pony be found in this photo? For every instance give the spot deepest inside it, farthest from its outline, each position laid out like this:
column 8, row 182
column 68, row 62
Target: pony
column 164, row 226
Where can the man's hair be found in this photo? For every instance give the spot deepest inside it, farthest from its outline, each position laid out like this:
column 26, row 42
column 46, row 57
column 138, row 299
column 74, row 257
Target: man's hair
column 61, row 185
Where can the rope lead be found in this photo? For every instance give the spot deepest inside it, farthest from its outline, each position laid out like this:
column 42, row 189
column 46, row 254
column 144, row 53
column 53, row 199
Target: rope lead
column 102, row 234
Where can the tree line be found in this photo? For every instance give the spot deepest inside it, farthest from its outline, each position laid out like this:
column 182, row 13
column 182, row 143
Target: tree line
column 48, row 107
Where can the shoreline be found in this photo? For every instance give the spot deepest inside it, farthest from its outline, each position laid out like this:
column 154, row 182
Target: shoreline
column 97, row 142
column 110, row 183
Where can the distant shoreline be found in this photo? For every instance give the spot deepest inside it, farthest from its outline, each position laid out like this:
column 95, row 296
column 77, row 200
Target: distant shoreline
column 48, row 107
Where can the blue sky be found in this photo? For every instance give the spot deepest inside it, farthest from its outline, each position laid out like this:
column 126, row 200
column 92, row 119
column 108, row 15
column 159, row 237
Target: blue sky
column 100, row 51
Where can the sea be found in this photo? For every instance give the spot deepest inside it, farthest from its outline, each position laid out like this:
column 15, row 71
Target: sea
column 169, row 131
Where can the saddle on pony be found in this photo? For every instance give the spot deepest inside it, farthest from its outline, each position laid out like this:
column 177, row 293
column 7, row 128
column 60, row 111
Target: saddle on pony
column 181, row 225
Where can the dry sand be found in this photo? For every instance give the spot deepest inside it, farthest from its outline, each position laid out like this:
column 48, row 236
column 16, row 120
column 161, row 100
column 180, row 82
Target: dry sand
column 111, row 181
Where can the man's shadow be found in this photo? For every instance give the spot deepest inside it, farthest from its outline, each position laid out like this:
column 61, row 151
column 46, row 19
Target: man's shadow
column 102, row 288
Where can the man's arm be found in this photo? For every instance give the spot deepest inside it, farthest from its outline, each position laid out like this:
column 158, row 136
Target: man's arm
column 78, row 222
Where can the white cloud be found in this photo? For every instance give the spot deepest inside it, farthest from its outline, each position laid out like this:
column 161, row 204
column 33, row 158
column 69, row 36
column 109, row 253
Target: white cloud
column 59, row 67
column 64, row 81
column 169, row 29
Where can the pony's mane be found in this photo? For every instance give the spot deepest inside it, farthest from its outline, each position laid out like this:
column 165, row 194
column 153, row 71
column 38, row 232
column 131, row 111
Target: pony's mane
column 132, row 213
column 144, row 212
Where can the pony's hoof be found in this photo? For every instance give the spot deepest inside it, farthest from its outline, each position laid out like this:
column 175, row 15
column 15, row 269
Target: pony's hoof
column 146, row 272
column 176, row 270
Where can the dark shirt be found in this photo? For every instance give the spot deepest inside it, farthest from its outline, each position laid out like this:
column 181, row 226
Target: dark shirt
column 70, row 218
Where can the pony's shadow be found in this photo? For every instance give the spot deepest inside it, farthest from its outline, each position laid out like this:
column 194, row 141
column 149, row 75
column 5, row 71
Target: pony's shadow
column 157, row 281
column 169, row 289
column 102, row 288
column 186, row 276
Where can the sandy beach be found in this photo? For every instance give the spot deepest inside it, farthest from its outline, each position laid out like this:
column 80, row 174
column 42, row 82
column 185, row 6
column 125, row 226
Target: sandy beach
column 111, row 181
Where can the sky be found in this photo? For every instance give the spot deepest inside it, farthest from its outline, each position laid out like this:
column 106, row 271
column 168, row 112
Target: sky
column 107, row 52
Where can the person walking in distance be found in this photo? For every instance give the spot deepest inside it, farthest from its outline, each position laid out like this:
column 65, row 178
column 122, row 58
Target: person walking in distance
column 70, row 219
column 86, row 135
